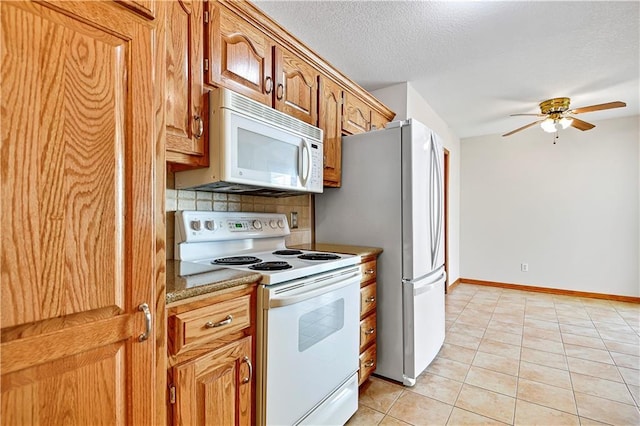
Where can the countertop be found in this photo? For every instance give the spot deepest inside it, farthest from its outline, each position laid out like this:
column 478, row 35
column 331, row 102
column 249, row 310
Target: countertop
column 340, row 248
column 208, row 282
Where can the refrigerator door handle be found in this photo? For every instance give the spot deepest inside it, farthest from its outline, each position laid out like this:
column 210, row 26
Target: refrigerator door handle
column 428, row 287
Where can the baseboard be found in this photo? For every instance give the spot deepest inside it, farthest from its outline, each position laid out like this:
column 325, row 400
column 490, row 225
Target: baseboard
column 630, row 299
column 453, row 284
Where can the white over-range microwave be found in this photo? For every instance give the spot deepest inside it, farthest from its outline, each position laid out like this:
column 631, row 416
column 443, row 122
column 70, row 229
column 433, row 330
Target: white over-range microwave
column 255, row 149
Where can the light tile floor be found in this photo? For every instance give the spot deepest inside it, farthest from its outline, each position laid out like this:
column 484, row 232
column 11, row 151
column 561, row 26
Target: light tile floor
column 520, row 358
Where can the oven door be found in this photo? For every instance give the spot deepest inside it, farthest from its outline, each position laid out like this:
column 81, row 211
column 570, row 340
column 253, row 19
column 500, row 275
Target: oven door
column 308, row 348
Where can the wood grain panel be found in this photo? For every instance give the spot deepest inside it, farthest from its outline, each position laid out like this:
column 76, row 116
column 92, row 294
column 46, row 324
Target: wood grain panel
column 239, row 54
column 368, row 298
column 330, row 121
column 296, row 86
column 356, row 115
column 78, row 240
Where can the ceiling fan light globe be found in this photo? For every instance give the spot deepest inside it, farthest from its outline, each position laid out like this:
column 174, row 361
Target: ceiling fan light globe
column 566, row 122
column 548, row 125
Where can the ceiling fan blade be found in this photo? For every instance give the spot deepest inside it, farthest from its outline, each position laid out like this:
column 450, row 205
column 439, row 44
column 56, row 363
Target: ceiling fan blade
column 534, row 115
column 581, row 125
column 608, row 105
column 523, row 127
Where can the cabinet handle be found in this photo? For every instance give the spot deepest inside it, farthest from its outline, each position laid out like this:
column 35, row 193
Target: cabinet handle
column 225, row 321
column 370, row 331
column 370, row 299
column 370, row 271
column 147, row 318
column 279, row 91
column 200, row 128
column 369, row 363
column 248, row 361
column 268, row 84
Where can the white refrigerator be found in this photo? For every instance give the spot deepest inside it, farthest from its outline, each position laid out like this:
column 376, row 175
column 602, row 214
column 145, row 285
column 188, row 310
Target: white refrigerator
column 392, row 196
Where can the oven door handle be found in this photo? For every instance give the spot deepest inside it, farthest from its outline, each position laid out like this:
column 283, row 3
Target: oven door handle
column 315, row 289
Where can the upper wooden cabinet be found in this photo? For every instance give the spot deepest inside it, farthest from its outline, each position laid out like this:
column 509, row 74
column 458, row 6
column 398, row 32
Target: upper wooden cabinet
column 356, row 115
column 378, row 121
column 238, row 55
column 80, row 231
column 186, row 102
column 330, row 121
column 296, row 86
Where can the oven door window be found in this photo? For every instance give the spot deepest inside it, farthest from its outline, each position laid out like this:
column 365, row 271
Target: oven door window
column 261, row 153
column 319, row 324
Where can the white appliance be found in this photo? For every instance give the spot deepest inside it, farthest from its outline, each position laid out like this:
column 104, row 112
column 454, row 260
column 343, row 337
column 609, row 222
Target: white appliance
column 392, row 197
column 308, row 312
column 255, row 149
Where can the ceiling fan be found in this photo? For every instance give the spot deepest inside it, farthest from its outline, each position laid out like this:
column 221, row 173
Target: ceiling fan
column 557, row 115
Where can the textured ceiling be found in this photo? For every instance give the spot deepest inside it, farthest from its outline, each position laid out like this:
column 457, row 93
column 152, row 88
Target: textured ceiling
column 476, row 62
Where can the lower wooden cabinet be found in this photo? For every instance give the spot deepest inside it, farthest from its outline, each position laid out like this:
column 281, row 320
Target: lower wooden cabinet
column 211, row 347
column 368, row 319
column 215, row 389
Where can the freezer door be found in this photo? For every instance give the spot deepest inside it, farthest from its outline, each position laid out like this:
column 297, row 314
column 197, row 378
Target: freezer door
column 424, row 323
column 422, row 201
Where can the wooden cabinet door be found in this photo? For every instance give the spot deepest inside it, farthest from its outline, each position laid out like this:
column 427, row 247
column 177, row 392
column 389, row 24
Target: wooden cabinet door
column 296, row 87
column 330, row 121
column 78, row 235
column 186, row 115
column 216, row 388
column 378, row 121
column 239, row 55
column 356, row 115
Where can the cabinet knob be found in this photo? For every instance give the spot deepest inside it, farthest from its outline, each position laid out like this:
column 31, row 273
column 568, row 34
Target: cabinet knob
column 370, row 299
column 369, row 363
column 268, row 84
column 370, row 331
column 279, row 91
column 370, row 271
column 199, row 126
column 225, row 321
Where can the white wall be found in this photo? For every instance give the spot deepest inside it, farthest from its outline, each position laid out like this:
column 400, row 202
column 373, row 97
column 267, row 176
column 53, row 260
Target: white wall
column 407, row 103
column 569, row 210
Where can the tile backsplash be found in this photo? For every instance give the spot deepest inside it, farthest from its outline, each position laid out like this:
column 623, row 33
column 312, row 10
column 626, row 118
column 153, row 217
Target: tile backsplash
column 178, row 199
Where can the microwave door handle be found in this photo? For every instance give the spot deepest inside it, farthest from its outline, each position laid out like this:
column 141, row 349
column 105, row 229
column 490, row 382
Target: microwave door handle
column 304, row 171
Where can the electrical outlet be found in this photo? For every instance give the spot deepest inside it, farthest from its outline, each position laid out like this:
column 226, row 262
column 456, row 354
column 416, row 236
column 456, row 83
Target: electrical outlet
column 524, row 267
column 294, row 220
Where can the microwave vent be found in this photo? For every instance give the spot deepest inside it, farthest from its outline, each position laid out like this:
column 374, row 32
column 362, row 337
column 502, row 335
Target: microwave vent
column 249, row 106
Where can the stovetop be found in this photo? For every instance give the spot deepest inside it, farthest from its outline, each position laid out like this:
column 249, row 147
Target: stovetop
column 255, row 242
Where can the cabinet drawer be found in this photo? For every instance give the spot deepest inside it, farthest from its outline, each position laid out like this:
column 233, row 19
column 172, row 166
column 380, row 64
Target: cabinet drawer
column 367, row 299
column 368, row 362
column 369, row 271
column 192, row 328
column 368, row 331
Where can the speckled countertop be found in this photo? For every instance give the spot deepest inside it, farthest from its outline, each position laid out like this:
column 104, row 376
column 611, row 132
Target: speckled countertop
column 208, row 282
column 340, row 248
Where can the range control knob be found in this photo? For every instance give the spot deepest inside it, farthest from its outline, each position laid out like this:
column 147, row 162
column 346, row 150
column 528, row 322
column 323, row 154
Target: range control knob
column 280, row 223
column 257, row 224
column 196, row 225
column 210, row 225
column 273, row 224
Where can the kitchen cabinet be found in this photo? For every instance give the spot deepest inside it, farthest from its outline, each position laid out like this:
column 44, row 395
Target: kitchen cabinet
column 212, row 358
column 356, row 115
column 378, row 121
column 243, row 58
column 296, row 86
column 330, row 121
column 81, row 229
column 368, row 320
column 186, row 100
column 238, row 55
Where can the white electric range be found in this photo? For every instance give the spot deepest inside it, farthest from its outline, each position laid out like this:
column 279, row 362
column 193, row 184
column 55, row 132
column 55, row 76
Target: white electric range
column 308, row 312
